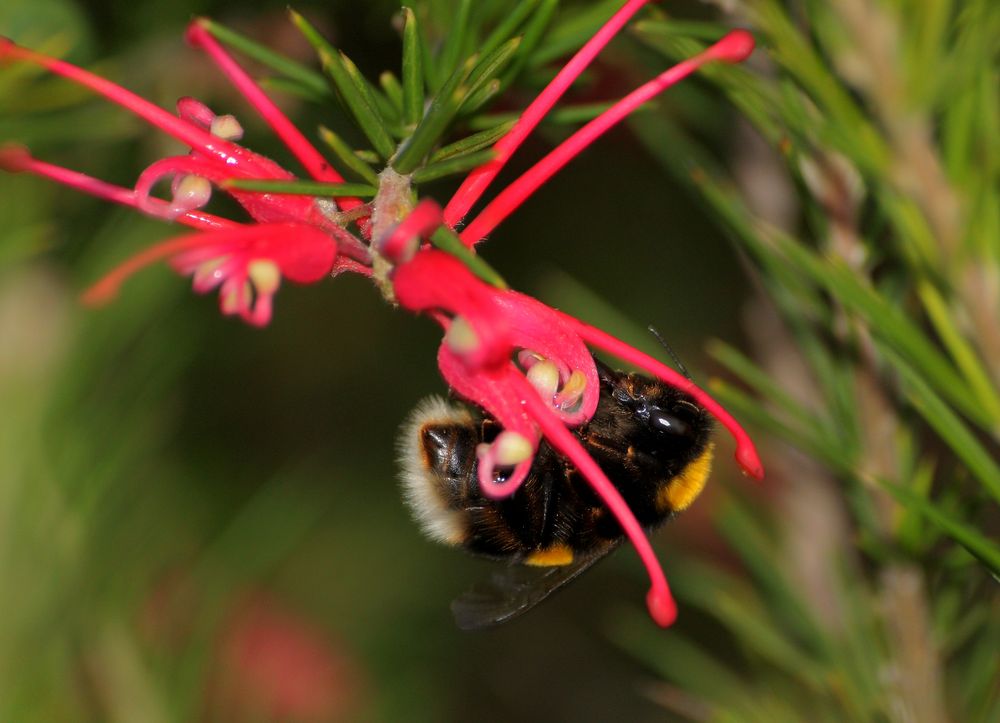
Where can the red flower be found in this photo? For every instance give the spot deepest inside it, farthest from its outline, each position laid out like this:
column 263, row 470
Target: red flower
column 296, row 237
column 553, row 386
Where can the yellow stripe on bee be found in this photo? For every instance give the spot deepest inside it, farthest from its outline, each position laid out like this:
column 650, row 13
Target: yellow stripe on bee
column 554, row 556
column 683, row 489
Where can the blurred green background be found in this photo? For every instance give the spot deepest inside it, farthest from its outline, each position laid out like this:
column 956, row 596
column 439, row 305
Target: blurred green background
column 200, row 521
column 173, row 480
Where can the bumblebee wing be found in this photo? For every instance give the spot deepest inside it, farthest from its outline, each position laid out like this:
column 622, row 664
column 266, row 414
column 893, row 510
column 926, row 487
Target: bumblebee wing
column 514, row 589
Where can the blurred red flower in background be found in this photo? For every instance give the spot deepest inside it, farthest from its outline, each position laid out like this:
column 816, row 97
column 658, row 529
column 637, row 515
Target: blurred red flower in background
column 272, row 664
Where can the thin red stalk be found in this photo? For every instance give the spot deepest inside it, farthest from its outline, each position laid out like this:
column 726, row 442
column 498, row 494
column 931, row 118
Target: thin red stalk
column 314, row 163
column 19, row 160
column 659, row 600
column 479, row 180
column 746, row 452
column 187, row 133
column 106, row 289
column 734, row 47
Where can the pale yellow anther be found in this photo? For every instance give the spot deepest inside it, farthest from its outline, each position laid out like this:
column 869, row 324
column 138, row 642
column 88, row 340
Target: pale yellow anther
column 230, row 298
column 461, row 337
column 265, row 275
column 227, row 127
column 512, row 448
column 192, row 192
column 573, row 389
column 209, row 273
column 544, row 376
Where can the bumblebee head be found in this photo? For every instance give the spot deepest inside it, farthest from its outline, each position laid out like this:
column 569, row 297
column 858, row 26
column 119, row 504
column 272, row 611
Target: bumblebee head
column 668, row 432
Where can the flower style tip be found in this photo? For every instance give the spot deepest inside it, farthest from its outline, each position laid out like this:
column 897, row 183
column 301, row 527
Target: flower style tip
column 734, row 47
column 749, row 461
column 13, row 157
column 662, row 607
column 197, row 30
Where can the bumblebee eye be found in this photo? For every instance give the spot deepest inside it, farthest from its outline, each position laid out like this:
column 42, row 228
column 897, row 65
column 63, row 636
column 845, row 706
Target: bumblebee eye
column 663, row 422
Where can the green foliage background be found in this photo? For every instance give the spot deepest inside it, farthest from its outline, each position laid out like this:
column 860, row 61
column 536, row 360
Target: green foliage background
column 162, row 469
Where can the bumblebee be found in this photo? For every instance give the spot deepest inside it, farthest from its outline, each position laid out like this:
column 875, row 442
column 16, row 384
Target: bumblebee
column 652, row 441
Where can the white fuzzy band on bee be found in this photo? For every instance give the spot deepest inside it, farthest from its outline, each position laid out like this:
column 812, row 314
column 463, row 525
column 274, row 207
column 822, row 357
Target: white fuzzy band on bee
column 421, row 485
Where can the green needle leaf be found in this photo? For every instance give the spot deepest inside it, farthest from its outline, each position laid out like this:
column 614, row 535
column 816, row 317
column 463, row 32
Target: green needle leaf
column 911, row 531
column 534, row 31
column 481, row 97
column 573, row 32
column 961, row 351
column 310, row 79
column 375, row 111
column 302, row 188
column 473, row 143
column 367, row 156
column 769, row 389
column 443, row 109
column 886, row 322
column 701, row 674
column 454, row 42
column 354, row 91
column 347, row 156
column 979, row 546
column 296, row 89
column 455, row 164
column 393, row 91
column 502, row 32
column 413, row 70
column 750, row 411
column 449, row 242
column 567, row 115
column 950, row 427
column 492, row 64
column 748, row 538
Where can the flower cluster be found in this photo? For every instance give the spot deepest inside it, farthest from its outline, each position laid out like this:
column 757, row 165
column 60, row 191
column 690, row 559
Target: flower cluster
column 526, row 364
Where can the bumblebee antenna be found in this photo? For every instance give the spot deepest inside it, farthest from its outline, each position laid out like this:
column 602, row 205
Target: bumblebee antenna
column 663, row 342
